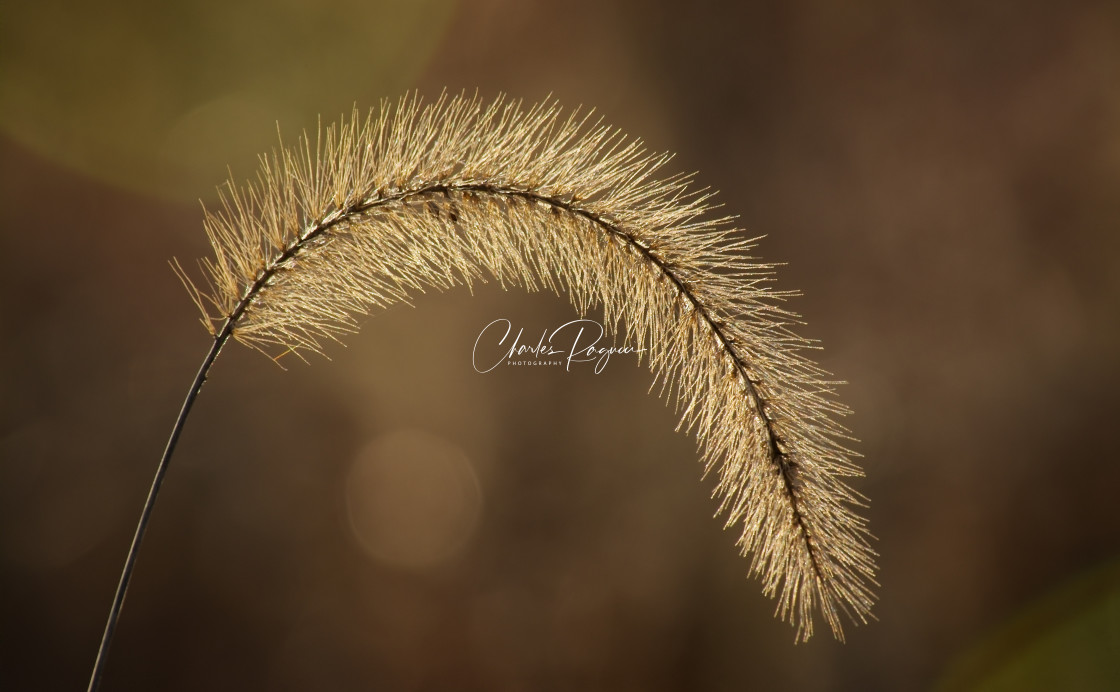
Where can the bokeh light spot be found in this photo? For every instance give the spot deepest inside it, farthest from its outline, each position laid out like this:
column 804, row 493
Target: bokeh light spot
column 412, row 499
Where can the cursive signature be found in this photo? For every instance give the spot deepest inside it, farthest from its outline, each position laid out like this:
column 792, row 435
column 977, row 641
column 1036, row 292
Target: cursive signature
column 574, row 342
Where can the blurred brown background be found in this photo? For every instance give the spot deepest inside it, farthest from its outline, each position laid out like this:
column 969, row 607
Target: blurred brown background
column 943, row 179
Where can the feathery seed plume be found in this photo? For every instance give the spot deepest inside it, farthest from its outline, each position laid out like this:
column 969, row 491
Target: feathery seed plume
column 417, row 197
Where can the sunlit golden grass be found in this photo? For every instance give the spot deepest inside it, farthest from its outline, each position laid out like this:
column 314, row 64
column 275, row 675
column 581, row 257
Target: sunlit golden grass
column 414, row 197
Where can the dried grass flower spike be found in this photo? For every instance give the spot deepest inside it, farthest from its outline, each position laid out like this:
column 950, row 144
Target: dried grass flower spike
column 418, row 196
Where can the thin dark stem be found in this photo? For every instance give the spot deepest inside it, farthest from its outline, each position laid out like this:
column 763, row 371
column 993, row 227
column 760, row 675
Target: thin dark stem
column 341, row 216
column 142, row 526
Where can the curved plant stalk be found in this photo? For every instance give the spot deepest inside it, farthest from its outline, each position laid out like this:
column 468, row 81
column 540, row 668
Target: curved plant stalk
column 146, row 513
column 416, row 197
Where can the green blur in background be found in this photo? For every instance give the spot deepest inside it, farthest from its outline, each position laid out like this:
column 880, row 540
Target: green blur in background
column 162, row 97
column 940, row 179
